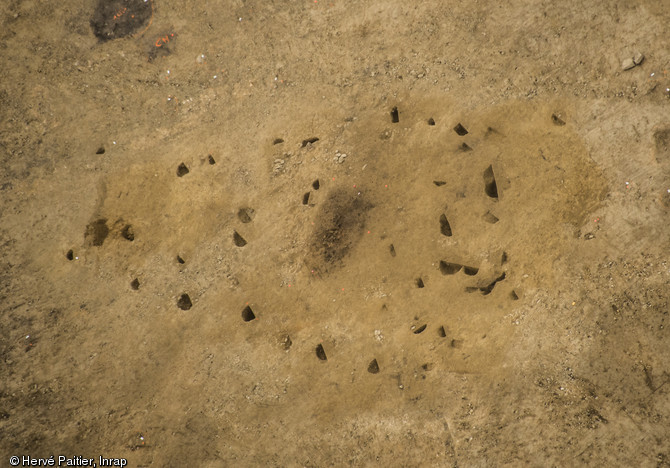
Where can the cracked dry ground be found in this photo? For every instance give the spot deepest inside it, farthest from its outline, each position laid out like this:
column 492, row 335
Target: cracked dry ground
column 334, row 233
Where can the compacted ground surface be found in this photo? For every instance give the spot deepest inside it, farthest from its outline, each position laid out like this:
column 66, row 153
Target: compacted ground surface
column 335, row 233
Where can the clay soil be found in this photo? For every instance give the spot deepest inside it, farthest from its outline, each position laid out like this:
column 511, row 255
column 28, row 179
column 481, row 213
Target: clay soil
column 253, row 233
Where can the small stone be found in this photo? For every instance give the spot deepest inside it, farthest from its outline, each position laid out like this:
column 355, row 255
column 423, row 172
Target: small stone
column 627, row 64
column 638, row 59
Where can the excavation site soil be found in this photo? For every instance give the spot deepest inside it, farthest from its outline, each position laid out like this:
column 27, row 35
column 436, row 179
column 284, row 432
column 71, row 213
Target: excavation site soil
column 326, row 233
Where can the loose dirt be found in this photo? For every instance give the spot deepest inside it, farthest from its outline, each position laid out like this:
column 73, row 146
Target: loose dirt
column 330, row 233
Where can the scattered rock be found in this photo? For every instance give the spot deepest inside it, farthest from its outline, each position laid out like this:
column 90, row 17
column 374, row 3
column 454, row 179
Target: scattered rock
column 638, row 59
column 628, row 64
column 278, row 166
column 339, row 157
column 286, row 343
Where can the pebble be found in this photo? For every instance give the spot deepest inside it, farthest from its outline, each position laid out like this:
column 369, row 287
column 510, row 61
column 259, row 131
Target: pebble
column 339, row 157
column 278, row 165
column 638, row 59
column 628, row 64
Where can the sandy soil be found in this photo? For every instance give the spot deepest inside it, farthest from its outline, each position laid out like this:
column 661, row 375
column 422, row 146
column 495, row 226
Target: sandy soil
column 251, row 233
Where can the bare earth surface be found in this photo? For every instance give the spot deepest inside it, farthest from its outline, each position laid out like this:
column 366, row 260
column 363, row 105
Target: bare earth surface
column 251, row 233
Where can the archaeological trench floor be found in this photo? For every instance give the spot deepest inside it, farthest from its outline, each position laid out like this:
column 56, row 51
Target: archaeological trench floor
column 335, row 233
